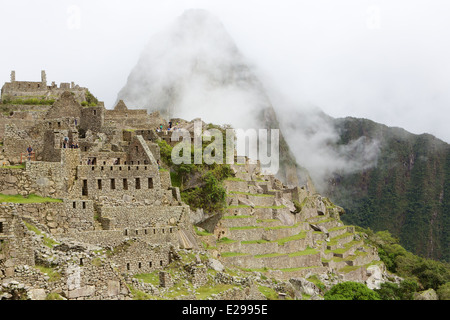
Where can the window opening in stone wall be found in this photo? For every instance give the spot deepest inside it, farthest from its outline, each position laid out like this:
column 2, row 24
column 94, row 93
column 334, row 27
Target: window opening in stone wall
column 150, row 264
column 138, row 183
column 139, row 265
column 150, row 183
column 84, row 190
column 128, row 266
column 74, row 205
column 113, row 184
column 126, row 232
column 137, row 232
column 1, row 227
column 125, row 184
column 81, row 261
column 161, row 263
column 84, row 205
column 137, row 149
column 99, row 184
column 95, row 112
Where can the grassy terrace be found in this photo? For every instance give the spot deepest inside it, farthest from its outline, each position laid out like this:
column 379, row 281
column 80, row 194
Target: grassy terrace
column 305, row 252
column 236, row 217
column 18, row 166
column 32, row 198
column 234, row 179
column 240, row 206
column 233, row 254
column 335, row 240
column 251, row 194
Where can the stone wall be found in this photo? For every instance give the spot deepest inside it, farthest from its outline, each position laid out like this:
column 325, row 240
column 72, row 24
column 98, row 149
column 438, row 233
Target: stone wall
column 59, row 217
column 142, row 257
column 92, row 118
column 16, row 244
column 138, row 181
column 15, row 181
column 140, row 217
column 46, row 178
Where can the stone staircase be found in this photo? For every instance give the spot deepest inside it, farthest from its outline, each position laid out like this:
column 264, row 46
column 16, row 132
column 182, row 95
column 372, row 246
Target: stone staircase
column 261, row 230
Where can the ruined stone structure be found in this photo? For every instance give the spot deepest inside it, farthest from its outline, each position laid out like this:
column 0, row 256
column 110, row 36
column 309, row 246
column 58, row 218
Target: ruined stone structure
column 114, row 213
column 39, row 90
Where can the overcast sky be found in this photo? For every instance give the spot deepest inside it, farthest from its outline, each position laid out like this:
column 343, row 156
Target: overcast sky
column 387, row 61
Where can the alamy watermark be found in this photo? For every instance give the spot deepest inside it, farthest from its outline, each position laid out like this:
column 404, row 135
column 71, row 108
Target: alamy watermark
column 252, row 143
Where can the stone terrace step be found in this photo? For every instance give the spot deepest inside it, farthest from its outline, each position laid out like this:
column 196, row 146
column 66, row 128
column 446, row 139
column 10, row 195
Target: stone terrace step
column 339, row 241
column 276, row 260
column 257, row 199
column 338, row 231
column 228, row 221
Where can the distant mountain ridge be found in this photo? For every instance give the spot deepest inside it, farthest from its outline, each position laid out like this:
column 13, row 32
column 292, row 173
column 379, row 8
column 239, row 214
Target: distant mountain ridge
column 407, row 192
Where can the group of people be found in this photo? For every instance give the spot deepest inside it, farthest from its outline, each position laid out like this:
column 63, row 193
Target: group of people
column 169, row 127
column 70, row 145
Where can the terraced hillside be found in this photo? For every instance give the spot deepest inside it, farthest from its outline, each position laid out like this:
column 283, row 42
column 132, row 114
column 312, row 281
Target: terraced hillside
column 285, row 231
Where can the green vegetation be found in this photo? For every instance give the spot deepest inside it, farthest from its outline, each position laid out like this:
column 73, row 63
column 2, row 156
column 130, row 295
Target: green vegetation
column 225, row 240
column 426, row 273
column 269, row 293
column 152, row 278
column 351, row 291
column 406, row 193
column 18, row 166
column 209, row 193
column 49, row 242
column 52, row 273
column 32, row 198
column 252, row 194
column 90, row 100
column 31, row 101
column 233, row 254
column 54, row 296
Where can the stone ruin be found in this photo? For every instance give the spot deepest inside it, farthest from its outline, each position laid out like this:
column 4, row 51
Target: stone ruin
column 118, row 215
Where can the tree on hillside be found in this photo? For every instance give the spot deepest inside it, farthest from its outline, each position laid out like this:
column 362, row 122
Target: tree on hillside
column 350, row 290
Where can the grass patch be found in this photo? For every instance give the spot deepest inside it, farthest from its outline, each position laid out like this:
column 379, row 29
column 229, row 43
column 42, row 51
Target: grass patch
column 53, row 275
column 32, row 198
column 234, row 179
column 301, row 235
column 269, row 255
column 208, row 290
column 245, row 228
column 269, row 293
column 240, row 206
column 233, row 254
column 202, row 233
column 298, row 269
column 305, row 252
column 139, row 295
column 54, row 296
column 236, row 217
column 260, row 241
column 17, row 166
column 252, row 194
column 225, row 240
column 152, row 278
column 49, row 242
column 270, row 207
